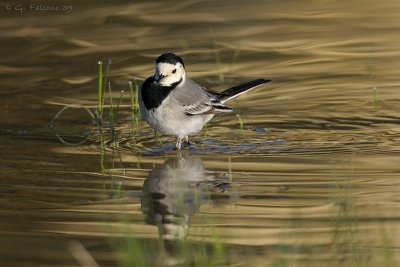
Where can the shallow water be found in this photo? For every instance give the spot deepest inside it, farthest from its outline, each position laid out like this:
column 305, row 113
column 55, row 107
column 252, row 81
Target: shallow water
column 310, row 180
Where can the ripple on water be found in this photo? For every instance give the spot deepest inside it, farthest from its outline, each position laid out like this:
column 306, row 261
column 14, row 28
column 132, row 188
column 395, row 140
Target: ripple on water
column 311, row 177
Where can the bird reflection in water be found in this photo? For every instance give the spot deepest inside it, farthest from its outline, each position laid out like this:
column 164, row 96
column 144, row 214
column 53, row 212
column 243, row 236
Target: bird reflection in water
column 174, row 191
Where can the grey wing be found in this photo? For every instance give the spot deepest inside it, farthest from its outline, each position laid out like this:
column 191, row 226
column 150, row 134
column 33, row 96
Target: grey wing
column 195, row 100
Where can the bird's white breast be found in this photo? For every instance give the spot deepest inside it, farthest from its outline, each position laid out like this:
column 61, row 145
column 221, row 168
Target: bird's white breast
column 169, row 118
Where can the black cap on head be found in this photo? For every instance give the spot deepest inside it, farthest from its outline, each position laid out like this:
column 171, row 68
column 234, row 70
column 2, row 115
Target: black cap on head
column 170, row 58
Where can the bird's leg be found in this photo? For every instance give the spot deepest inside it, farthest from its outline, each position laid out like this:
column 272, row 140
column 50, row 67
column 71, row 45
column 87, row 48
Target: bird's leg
column 187, row 140
column 179, row 142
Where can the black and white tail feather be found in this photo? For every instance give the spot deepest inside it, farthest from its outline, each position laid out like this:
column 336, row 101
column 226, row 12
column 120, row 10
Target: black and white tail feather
column 237, row 90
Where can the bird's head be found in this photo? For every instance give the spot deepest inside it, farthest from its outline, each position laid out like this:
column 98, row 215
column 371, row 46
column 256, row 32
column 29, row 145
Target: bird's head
column 169, row 69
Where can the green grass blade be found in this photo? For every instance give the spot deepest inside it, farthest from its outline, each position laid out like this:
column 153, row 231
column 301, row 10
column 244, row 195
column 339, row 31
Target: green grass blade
column 240, row 121
column 100, row 91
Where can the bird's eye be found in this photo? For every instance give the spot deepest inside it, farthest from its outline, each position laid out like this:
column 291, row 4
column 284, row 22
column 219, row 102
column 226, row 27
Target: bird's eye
column 174, row 71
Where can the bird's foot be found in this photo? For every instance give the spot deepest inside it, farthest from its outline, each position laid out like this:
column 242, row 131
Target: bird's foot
column 182, row 142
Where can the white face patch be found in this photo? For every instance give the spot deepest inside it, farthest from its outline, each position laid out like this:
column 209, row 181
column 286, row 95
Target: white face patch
column 167, row 74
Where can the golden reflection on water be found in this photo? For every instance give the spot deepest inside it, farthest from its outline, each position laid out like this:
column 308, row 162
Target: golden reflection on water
column 310, row 180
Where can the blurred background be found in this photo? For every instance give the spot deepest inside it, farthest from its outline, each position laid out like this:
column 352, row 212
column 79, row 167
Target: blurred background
column 305, row 173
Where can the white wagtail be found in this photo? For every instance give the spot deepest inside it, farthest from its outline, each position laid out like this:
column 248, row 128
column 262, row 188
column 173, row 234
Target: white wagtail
column 173, row 104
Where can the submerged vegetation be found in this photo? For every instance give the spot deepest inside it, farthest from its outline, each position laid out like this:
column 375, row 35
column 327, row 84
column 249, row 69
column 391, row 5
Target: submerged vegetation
column 97, row 116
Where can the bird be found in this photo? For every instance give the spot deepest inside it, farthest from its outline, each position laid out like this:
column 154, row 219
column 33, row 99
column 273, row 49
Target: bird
column 173, row 104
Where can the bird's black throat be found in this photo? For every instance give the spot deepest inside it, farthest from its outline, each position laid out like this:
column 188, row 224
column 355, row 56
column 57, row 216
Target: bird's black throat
column 153, row 93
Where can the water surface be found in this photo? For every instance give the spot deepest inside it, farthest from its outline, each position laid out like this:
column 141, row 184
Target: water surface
column 310, row 180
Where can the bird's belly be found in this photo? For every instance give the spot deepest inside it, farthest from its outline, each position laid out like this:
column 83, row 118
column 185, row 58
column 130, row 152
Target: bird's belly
column 175, row 122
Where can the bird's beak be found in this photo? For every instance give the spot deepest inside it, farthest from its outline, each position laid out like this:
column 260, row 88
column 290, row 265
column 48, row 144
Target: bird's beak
column 159, row 77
